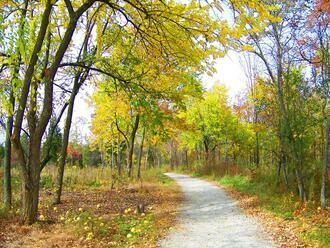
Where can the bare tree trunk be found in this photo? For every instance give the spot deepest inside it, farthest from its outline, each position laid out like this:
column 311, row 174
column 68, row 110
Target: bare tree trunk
column 206, row 152
column 186, row 156
column 119, row 155
column 30, row 190
column 301, row 186
column 112, row 155
column 146, row 162
column 65, row 142
column 278, row 173
column 7, row 164
column 131, row 146
column 140, row 154
column 257, row 153
column 325, row 167
column 285, row 174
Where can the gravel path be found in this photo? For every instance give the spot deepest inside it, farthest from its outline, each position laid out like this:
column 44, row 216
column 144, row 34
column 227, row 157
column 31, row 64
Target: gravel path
column 210, row 218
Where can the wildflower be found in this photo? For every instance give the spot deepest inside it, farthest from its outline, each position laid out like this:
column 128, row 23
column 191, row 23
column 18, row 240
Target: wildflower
column 129, row 235
column 55, row 208
column 98, row 205
column 145, row 222
column 133, row 230
column 62, row 218
column 41, row 217
column 80, row 209
column 101, row 224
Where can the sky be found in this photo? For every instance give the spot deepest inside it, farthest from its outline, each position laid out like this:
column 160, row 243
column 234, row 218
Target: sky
column 230, row 72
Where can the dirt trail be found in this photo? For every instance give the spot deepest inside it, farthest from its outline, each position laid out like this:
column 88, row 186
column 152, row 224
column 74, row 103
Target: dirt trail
column 210, row 218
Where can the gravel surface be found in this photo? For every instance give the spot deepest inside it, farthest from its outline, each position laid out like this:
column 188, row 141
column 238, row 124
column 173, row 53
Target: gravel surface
column 210, row 218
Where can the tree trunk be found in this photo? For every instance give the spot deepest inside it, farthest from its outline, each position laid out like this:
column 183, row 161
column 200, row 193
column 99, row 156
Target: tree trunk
column 30, row 200
column 30, row 190
column 285, row 174
column 119, row 156
column 65, row 142
column 257, row 154
column 7, row 164
column 325, row 167
column 10, row 120
column 301, row 187
column 171, row 156
column 140, row 154
column 131, row 147
column 278, row 173
column 206, row 152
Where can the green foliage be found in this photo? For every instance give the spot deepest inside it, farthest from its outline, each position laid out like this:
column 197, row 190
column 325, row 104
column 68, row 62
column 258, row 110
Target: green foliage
column 319, row 233
column 242, row 183
column 53, row 141
column 212, row 122
column 46, row 182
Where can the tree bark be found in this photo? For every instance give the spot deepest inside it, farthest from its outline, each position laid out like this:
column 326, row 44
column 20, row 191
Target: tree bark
column 206, row 152
column 30, row 191
column 66, row 134
column 140, row 154
column 131, row 145
column 257, row 153
column 7, row 164
column 119, row 155
column 325, row 167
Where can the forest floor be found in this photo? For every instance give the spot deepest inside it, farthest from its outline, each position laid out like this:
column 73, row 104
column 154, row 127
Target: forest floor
column 98, row 217
column 210, row 218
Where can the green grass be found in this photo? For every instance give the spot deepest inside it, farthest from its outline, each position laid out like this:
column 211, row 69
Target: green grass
column 282, row 204
column 242, row 183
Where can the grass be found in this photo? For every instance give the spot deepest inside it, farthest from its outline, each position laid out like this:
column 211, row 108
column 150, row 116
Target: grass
column 282, row 205
column 108, row 217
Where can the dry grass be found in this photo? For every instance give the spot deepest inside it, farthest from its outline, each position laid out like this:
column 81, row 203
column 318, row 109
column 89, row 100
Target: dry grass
column 102, row 208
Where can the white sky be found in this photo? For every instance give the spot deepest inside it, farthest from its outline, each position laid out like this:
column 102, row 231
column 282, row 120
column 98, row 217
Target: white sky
column 230, row 72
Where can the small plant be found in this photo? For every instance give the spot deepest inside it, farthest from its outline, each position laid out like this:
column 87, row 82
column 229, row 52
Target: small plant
column 196, row 174
column 46, row 182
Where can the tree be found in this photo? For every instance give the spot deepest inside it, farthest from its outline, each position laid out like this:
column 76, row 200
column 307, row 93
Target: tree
column 172, row 31
column 53, row 141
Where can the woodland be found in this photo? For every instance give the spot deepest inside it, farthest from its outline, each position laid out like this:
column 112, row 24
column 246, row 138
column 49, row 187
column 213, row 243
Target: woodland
column 141, row 66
